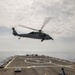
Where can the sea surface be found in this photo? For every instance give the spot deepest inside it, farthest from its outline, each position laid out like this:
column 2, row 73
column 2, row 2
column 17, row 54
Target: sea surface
column 62, row 55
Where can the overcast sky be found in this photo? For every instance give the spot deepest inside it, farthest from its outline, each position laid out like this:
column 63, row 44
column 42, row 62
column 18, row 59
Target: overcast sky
column 32, row 13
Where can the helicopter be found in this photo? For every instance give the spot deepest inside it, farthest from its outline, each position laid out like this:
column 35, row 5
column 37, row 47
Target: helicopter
column 38, row 34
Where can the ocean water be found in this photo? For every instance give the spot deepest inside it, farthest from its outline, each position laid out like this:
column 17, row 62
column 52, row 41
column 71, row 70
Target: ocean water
column 6, row 54
column 62, row 55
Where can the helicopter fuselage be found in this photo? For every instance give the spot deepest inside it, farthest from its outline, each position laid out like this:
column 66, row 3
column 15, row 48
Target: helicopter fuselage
column 34, row 35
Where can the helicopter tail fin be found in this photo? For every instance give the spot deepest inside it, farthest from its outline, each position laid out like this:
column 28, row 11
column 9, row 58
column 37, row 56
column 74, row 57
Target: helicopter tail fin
column 14, row 32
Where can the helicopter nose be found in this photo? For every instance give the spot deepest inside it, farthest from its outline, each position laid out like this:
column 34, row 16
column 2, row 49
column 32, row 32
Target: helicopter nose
column 51, row 38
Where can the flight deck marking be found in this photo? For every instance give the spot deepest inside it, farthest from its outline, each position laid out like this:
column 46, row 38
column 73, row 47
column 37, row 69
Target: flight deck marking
column 10, row 62
column 54, row 65
column 33, row 66
column 37, row 62
column 41, row 66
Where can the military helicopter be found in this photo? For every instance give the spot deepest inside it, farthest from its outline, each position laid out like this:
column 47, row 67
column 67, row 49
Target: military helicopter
column 38, row 34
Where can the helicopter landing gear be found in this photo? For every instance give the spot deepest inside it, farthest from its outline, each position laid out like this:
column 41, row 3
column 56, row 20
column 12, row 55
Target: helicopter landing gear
column 42, row 40
column 19, row 38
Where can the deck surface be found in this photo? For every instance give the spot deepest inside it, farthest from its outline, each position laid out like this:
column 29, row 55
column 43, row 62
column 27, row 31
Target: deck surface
column 37, row 65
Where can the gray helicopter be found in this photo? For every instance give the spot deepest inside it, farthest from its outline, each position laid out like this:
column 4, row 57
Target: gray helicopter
column 38, row 34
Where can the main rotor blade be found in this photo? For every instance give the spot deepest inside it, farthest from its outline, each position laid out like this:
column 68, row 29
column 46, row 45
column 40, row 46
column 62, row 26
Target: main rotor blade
column 45, row 22
column 29, row 28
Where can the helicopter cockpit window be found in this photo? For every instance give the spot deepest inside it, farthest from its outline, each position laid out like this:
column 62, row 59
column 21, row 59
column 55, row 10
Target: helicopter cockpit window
column 31, row 33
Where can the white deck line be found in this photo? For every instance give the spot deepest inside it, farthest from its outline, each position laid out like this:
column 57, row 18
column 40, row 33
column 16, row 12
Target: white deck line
column 40, row 66
column 37, row 62
column 10, row 62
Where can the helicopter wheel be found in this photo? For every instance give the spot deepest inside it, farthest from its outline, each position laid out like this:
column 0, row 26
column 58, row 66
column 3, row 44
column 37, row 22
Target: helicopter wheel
column 19, row 38
column 42, row 40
